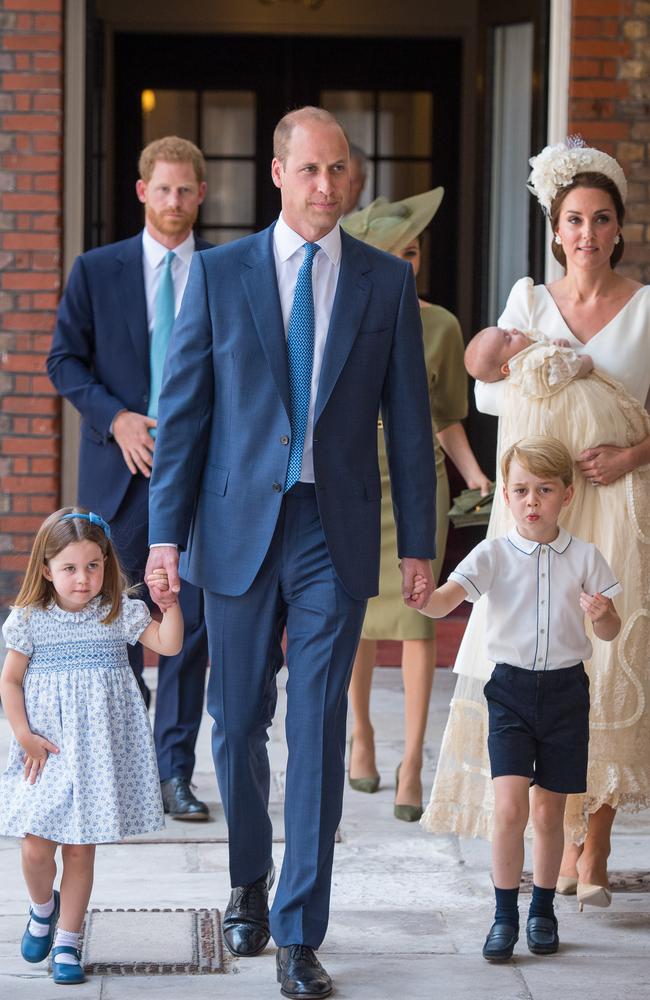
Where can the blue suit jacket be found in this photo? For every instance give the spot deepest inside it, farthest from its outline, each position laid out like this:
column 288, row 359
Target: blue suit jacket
column 221, row 452
column 99, row 360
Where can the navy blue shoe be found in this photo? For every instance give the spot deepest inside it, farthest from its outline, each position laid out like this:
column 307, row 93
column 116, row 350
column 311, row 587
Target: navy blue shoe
column 35, row 949
column 500, row 942
column 542, row 936
column 66, row 973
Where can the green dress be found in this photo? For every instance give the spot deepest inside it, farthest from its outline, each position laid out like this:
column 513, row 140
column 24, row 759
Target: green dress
column 387, row 617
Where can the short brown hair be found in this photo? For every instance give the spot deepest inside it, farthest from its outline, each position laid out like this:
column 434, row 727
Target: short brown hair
column 542, row 456
column 286, row 125
column 52, row 537
column 588, row 179
column 171, row 149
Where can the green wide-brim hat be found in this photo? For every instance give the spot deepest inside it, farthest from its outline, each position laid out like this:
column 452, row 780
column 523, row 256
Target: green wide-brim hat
column 392, row 225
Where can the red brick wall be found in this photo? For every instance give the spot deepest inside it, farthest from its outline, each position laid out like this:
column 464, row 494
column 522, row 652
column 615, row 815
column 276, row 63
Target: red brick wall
column 31, row 94
column 609, row 104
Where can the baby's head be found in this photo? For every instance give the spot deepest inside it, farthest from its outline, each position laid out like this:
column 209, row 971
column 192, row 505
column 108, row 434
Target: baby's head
column 488, row 353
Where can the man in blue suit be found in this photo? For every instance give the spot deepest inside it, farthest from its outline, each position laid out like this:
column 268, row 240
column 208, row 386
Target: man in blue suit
column 112, row 330
column 266, row 477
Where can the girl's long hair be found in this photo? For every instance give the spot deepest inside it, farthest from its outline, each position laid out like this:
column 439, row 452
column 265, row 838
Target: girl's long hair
column 52, row 537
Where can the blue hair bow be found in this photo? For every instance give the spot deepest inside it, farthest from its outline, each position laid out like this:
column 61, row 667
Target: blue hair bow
column 93, row 518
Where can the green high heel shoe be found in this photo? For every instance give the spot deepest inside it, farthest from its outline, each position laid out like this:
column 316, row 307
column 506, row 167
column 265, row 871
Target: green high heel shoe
column 368, row 785
column 410, row 814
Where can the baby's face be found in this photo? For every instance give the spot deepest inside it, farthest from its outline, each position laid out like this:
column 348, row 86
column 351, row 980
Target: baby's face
column 501, row 345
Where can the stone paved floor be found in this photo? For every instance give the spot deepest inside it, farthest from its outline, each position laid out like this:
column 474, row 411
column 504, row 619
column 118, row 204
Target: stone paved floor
column 409, row 911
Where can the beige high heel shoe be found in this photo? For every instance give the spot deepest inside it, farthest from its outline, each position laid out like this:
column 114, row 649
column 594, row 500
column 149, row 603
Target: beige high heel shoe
column 566, row 885
column 593, row 895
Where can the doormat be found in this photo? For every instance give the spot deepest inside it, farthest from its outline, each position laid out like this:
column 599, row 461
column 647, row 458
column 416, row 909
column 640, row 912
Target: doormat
column 152, row 942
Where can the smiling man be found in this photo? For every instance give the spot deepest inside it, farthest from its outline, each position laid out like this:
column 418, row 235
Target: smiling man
column 113, row 327
column 266, row 475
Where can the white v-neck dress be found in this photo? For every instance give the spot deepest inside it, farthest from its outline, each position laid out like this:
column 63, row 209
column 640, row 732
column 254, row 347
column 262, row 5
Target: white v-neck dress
column 616, row 519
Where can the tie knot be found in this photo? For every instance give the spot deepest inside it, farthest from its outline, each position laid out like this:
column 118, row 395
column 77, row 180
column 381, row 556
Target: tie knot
column 169, row 256
column 311, row 249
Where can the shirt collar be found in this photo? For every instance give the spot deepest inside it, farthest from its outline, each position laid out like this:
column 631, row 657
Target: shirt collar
column 287, row 241
column 559, row 544
column 155, row 252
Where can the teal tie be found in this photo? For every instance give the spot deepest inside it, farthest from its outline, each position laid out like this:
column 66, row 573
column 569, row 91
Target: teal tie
column 162, row 331
column 300, row 354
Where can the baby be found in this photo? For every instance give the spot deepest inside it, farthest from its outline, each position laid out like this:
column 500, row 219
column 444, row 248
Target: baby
column 488, row 354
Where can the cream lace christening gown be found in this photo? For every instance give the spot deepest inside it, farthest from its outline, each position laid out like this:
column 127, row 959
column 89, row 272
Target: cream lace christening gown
column 542, row 396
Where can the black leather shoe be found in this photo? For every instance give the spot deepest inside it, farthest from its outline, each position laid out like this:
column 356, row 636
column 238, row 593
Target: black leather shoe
column 180, row 802
column 300, row 974
column 500, row 942
column 246, row 920
column 542, row 936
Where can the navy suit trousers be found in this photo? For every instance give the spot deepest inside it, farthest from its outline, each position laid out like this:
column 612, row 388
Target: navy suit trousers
column 296, row 587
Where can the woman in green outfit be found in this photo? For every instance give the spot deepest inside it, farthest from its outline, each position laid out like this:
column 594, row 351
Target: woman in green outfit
column 396, row 227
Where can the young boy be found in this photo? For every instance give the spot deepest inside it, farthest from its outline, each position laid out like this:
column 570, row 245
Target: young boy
column 540, row 583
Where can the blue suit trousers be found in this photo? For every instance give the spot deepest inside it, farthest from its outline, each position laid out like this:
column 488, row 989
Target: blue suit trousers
column 296, row 587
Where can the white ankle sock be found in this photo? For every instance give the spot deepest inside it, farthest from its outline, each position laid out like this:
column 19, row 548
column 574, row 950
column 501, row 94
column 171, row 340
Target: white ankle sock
column 44, row 910
column 68, row 939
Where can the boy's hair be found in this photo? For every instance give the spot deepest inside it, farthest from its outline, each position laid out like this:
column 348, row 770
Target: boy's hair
column 542, row 456
column 52, row 537
column 171, row 149
column 481, row 363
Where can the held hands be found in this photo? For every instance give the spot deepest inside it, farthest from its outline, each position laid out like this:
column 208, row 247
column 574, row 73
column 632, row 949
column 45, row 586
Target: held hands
column 604, row 464
column 37, row 749
column 161, row 576
column 131, row 431
column 411, row 570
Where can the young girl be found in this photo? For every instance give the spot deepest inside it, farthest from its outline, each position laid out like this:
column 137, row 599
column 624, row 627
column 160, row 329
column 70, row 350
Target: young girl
column 82, row 767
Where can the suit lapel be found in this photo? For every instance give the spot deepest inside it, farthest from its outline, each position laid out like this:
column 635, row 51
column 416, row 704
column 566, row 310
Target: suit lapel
column 350, row 301
column 261, row 287
column 132, row 297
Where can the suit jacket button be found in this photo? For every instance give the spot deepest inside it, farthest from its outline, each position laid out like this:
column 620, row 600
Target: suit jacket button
column 277, row 488
column 284, row 439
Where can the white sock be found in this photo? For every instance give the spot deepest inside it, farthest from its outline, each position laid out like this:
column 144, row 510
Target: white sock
column 69, row 939
column 44, row 910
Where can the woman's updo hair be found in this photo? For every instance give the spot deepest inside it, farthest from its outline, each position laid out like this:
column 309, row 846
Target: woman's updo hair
column 589, row 179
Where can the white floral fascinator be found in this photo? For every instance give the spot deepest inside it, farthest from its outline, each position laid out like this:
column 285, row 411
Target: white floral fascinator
column 556, row 166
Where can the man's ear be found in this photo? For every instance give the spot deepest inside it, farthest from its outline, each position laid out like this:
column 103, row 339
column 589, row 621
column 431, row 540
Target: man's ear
column 276, row 172
column 141, row 190
column 505, row 368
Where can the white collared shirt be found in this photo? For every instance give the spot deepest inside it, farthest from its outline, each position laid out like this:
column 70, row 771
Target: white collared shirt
column 534, row 618
column 289, row 255
column 153, row 258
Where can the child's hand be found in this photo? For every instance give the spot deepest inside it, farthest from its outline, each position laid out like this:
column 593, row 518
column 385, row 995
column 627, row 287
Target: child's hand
column 37, row 749
column 419, row 585
column 561, row 342
column 595, row 607
column 158, row 578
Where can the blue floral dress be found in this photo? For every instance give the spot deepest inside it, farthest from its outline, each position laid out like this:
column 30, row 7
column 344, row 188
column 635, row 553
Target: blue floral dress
column 81, row 694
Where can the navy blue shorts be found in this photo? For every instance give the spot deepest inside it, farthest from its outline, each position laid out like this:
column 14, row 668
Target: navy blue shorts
column 539, row 726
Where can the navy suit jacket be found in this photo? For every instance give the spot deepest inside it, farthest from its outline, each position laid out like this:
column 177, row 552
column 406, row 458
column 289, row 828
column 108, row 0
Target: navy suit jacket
column 99, row 360
column 222, row 453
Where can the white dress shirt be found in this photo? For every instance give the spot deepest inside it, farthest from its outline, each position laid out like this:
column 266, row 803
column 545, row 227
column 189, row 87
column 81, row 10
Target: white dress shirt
column 289, row 255
column 153, row 258
column 534, row 618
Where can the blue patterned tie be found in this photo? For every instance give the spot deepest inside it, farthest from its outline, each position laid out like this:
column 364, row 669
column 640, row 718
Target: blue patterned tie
column 300, row 352
column 162, row 330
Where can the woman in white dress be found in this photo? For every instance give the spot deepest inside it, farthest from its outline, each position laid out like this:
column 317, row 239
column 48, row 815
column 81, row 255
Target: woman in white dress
column 606, row 316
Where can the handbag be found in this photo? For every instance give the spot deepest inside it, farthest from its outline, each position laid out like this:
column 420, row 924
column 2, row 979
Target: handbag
column 470, row 509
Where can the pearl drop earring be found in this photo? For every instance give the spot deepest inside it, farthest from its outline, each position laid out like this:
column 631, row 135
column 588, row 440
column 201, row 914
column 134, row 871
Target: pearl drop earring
column 557, row 240
column 617, row 240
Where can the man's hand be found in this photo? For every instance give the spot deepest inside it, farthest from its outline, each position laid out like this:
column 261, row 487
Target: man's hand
column 416, row 596
column 165, row 558
column 131, row 431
